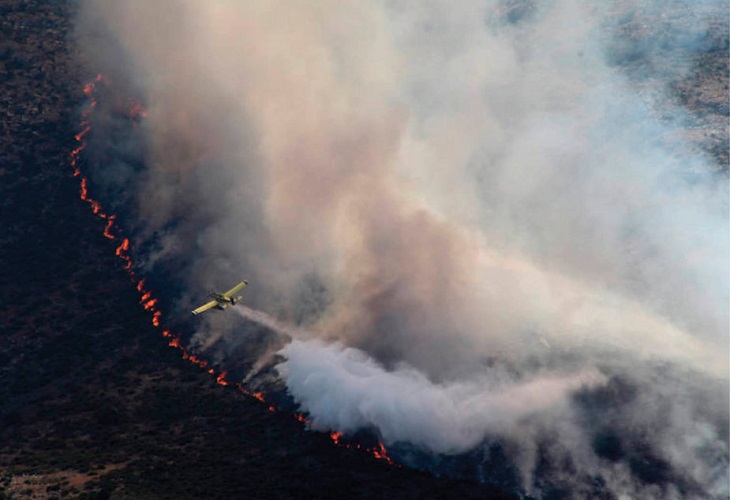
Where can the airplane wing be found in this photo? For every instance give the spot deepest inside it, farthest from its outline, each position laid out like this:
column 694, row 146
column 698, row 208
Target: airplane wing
column 236, row 289
column 205, row 307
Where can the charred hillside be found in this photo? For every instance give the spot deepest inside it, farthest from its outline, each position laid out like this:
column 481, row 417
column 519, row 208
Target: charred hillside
column 93, row 402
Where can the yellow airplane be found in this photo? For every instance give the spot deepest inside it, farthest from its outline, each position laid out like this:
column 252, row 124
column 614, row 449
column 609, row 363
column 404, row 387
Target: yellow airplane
column 222, row 300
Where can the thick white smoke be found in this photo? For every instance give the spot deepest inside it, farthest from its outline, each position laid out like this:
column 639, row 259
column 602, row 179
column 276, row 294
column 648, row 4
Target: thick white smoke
column 348, row 391
column 489, row 219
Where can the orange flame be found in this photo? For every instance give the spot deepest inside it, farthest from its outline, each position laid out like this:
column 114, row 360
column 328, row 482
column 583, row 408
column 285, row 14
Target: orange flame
column 123, row 247
column 109, row 226
column 256, row 395
column 122, row 252
column 221, row 378
column 83, row 132
column 379, row 452
column 75, row 159
column 150, row 304
column 197, row 361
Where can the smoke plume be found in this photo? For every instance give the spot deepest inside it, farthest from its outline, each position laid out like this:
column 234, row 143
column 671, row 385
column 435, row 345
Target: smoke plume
column 490, row 228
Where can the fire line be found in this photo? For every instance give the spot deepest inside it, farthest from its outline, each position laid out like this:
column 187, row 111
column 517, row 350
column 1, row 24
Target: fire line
column 112, row 231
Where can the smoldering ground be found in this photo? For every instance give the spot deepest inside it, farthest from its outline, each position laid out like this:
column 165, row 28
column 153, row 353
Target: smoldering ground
column 491, row 230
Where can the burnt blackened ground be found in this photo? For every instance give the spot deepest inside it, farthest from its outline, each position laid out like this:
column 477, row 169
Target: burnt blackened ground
column 93, row 403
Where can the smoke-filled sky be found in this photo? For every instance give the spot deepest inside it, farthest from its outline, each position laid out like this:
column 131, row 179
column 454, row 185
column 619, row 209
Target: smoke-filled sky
column 491, row 231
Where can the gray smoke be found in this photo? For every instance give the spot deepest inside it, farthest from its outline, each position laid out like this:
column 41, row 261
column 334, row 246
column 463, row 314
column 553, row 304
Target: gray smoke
column 490, row 225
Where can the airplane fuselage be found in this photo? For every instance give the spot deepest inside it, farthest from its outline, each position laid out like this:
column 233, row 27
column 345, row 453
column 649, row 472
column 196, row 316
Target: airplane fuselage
column 222, row 300
column 219, row 297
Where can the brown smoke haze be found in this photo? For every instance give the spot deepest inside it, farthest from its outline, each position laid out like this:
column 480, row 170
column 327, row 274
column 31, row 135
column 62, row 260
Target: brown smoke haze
column 475, row 214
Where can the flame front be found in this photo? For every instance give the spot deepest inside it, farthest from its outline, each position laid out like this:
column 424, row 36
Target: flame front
column 335, row 437
column 378, row 451
column 136, row 112
column 109, row 227
column 221, row 378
